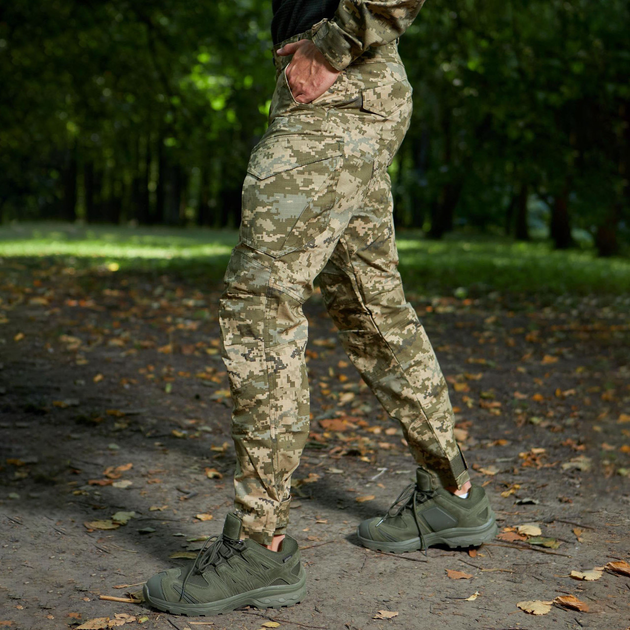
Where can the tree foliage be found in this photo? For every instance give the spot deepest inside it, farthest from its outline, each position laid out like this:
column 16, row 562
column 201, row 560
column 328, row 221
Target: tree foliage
column 142, row 111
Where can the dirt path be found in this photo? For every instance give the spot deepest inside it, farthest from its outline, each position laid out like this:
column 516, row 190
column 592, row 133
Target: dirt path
column 114, row 399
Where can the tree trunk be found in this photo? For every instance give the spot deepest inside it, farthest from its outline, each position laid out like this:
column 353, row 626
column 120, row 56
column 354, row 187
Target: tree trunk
column 160, row 200
column 521, row 231
column 69, row 209
column 203, row 210
column 443, row 213
column 606, row 236
column 560, row 227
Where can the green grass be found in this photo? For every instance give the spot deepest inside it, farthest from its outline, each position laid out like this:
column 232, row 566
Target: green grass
column 462, row 264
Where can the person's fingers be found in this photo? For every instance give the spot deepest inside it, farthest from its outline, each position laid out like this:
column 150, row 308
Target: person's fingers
column 289, row 49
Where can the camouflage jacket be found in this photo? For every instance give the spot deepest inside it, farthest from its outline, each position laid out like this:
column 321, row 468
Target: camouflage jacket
column 359, row 24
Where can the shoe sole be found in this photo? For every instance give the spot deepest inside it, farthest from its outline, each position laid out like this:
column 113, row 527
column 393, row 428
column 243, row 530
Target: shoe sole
column 264, row 597
column 455, row 538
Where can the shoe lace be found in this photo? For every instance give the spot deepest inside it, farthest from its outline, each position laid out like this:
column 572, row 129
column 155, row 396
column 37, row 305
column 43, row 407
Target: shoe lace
column 409, row 498
column 214, row 552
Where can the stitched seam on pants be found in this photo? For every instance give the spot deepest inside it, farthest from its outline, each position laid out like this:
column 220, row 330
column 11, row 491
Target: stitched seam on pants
column 365, row 305
column 273, row 429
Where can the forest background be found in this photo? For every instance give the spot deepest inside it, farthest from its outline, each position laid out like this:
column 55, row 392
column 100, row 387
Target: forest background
column 145, row 112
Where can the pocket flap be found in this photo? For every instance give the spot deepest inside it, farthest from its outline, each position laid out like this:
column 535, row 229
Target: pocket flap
column 384, row 100
column 284, row 153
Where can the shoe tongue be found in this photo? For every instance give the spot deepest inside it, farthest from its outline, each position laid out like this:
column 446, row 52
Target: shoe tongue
column 424, row 481
column 232, row 527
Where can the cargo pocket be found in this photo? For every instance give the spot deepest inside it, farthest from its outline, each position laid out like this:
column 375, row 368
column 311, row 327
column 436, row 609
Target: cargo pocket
column 289, row 189
column 386, row 100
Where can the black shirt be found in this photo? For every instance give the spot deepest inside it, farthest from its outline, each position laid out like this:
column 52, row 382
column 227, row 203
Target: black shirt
column 291, row 17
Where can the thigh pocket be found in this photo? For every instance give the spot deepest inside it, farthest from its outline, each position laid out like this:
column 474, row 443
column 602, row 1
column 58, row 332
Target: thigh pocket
column 289, row 189
column 386, row 100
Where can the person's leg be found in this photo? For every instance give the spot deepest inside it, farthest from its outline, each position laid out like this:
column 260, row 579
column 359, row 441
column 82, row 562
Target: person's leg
column 296, row 202
column 382, row 335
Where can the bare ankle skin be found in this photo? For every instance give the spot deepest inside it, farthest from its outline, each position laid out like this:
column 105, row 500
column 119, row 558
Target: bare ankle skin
column 275, row 543
column 463, row 490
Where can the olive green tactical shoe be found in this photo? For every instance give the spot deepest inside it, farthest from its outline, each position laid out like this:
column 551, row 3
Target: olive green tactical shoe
column 424, row 516
column 229, row 573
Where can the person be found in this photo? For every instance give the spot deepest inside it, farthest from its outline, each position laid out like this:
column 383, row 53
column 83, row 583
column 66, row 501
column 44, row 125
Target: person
column 317, row 201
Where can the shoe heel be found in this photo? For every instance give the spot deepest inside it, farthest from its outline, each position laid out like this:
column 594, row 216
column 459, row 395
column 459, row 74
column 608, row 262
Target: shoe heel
column 471, row 539
column 281, row 599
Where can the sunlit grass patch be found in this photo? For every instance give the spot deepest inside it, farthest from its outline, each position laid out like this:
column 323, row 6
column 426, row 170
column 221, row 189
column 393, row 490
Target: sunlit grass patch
column 459, row 264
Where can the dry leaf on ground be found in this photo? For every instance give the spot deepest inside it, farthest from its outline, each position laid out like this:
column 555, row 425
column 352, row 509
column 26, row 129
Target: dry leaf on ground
column 550, row 543
column 621, row 567
column 571, row 602
column 385, row 614
column 458, row 575
column 271, row 624
column 587, row 576
column 529, row 529
column 204, row 517
column 535, row 607
column 511, row 537
column 213, row 473
column 123, row 517
column 189, row 555
column 108, row 524
column 363, row 499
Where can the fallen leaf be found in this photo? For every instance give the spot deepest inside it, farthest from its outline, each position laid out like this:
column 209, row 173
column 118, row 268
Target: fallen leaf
column 587, row 576
column 100, row 482
column 621, row 567
column 457, row 575
column 582, row 462
column 213, row 473
column 489, row 470
column 363, row 499
column 529, row 529
column 104, row 524
column 271, row 624
column 98, row 378
column 385, row 614
column 511, row 537
column 100, row 623
column 527, row 501
column 547, row 359
column 125, row 483
column 571, row 602
column 123, row 517
column 624, row 417
column 336, row 424
column 204, row 517
column 540, row 541
column 536, row 607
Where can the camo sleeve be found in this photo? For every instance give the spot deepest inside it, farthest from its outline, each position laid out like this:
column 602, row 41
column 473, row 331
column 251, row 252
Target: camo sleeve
column 359, row 24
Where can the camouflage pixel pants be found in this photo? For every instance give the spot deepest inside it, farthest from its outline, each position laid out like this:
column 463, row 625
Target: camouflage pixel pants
column 317, row 201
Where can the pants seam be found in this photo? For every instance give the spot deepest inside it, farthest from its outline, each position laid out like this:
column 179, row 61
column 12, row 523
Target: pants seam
column 393, row 354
